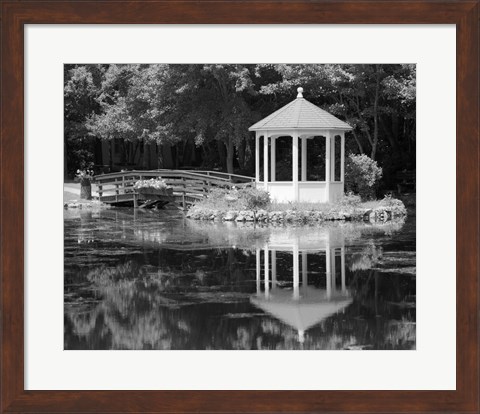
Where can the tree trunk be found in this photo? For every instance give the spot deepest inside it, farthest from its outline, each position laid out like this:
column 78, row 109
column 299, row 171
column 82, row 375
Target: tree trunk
column 167, row 159
column 125, row 151
column 110, row 155
column 241, row 154
column 230, row 155
column 359, row 144
column 375, row 114
column 65, row 169
column 146, row 155
column 222, row 154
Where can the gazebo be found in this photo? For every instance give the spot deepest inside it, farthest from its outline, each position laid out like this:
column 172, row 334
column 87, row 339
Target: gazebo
column 300, row 119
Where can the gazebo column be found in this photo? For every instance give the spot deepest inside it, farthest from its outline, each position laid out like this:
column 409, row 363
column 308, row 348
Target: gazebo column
column 342, row 160
column 295, row 165
column 257, row 156
column 342, row 265
column 304, row 158
column 272, row 159
column 327, row 166
column 265, row 161
column 332, row 158
column 328, row 274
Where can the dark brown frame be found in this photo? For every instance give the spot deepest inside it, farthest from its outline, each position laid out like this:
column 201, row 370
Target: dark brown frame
column 15, row 14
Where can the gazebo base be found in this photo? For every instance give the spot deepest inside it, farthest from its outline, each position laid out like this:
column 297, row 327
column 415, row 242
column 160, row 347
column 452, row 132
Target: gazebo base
column 308, row 191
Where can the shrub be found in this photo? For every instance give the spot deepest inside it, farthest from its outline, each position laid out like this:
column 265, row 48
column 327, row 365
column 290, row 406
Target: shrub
column 350, row 200
column 362, row 175
column 255, row 198
column 397, row 207
column 243, row 198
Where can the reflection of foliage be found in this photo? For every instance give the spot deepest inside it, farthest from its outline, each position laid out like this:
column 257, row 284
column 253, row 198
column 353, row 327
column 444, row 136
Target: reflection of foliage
column 149, row 284
column 140, row 309
column 366, row 259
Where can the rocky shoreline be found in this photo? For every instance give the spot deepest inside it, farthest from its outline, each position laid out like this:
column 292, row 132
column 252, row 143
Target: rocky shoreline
column 377, row 214
column 85, row 204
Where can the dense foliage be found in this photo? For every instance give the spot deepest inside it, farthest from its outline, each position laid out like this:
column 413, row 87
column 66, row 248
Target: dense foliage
column 198, row 115
column 362, row 175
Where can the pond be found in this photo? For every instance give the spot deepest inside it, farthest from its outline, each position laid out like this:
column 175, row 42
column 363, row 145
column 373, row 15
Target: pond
column 137, row 279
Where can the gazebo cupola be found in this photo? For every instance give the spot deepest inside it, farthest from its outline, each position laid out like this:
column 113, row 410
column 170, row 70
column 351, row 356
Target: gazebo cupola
column 300, row 119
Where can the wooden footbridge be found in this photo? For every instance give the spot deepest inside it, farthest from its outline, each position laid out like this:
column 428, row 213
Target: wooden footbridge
column 188, row 186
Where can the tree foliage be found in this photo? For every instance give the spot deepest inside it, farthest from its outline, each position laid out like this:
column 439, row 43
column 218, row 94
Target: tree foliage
column 201, row 113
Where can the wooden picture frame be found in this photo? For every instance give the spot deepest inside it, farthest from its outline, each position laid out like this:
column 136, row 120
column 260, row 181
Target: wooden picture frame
column 15, row 14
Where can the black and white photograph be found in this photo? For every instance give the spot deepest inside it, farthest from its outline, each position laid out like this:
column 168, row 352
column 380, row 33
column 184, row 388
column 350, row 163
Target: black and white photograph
column 239, row 206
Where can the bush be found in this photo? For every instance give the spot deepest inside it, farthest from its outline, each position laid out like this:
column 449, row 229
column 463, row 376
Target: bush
column 350, row 200
column 255, row 198
column 243, row 198
column 362, row 175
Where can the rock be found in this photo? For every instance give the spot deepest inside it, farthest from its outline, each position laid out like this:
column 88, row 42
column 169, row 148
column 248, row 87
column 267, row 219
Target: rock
column 261, row 215
column 241, row 216
column 230, row 216
column 249, row 215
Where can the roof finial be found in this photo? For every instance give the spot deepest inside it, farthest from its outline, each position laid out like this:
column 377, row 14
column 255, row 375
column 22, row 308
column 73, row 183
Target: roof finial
column 300, row 92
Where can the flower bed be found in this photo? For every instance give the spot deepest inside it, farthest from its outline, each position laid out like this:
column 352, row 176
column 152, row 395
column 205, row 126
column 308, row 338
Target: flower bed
column 154, row 187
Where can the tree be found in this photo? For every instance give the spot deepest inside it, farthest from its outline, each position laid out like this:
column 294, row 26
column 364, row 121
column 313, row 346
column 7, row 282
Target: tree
column 81, row 89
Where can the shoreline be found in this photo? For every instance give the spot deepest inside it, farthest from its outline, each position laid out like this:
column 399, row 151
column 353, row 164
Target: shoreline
column 341, row 213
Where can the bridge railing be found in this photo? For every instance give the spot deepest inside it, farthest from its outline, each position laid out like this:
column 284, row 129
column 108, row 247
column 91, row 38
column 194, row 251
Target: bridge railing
column 234, row 178
column 190, row 183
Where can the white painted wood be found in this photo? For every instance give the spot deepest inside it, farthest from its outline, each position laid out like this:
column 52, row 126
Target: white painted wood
column 295, row 165
column 328, row 274
column 304, row 158
column 312, row 191
column 336, row 191
column 296, row 273
column 265, row 161
column 327, row 165
column 267, row 281
column 257, row 156
column 332, row 158
column 273, row 159
column 342, row 157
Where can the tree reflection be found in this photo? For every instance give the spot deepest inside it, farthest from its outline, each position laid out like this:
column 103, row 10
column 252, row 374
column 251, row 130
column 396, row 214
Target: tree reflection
column 143, row 284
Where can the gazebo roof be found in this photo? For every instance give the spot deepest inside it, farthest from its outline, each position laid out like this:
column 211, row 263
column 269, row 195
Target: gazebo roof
column 302, row 313
column 300, row 114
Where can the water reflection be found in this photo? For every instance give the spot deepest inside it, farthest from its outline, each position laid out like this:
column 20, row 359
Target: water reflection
column 301, row 306
column 153, row 280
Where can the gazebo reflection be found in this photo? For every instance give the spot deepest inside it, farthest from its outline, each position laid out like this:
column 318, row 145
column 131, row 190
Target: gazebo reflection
column 302, row 306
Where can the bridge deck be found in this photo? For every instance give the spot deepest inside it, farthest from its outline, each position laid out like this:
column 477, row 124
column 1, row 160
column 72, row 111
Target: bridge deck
column 188, row 186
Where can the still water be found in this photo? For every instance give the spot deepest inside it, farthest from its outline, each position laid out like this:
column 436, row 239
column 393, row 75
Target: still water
column 154, row 280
